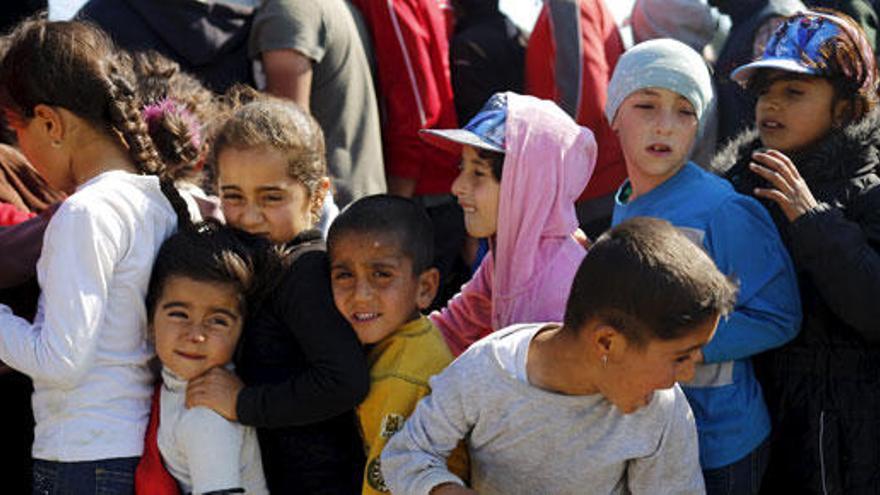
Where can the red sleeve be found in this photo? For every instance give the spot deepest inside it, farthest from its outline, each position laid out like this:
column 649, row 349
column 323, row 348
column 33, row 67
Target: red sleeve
column 541, row 60
column 10, row 215
column 412, row 55
column 602, row 46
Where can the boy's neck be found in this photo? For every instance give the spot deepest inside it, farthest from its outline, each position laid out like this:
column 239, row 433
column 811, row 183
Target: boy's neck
column 641, row 183
column 555, row 363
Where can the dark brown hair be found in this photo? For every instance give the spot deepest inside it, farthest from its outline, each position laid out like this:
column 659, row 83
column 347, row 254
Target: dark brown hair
column 183, row 108
column 265, row 122
column 74, row 65
column 648, row 281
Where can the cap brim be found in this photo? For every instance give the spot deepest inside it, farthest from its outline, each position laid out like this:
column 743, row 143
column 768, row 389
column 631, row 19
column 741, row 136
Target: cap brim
column 453, row 139
column 743, row 73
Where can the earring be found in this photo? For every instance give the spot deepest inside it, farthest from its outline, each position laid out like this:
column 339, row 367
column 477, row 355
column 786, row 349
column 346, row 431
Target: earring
column 604, row 361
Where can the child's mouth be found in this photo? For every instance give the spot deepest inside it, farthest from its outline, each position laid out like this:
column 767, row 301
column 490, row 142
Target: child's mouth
column 771, row 125
column 364, row 317
column 187, row 355
column 658, row 149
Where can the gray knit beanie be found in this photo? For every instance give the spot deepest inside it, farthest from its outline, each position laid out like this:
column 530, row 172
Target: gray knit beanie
column 693, row 22
column 661, row 63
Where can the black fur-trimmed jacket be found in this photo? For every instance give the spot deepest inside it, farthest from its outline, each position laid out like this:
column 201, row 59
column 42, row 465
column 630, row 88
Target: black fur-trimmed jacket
column 823, row 388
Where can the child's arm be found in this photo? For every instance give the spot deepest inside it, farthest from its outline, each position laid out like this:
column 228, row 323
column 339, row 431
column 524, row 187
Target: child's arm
column 840, row 254
column 78, row 259
column 674, row 468
column 415, row 459
column 335, row 378
column 744, row 243
column 211, row 447
column 467, row 317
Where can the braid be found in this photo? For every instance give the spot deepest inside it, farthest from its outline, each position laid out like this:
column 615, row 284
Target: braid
column 125, row 117
column 173, row 196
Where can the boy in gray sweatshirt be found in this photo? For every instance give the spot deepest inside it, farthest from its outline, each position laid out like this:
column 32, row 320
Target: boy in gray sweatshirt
column 588, row 406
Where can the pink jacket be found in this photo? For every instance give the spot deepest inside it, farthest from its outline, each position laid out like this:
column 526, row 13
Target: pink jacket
column 528, row 272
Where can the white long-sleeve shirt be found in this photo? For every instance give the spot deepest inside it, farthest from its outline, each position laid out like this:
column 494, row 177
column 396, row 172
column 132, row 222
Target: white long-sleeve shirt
column 524, row 440
column 86, row 350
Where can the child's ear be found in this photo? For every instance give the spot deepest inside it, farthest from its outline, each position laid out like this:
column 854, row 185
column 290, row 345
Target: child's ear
column 51, row 122
column 317, row 199
column 608, row 343
column 428, row 283
column 842, row 113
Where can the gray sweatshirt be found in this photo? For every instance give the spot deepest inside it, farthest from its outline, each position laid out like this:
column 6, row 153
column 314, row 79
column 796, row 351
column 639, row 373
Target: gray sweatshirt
column 523, row 439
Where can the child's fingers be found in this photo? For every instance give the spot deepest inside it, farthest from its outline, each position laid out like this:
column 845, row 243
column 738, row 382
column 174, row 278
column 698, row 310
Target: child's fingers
column 779, row 163
column 773, row 195
column 773, row 177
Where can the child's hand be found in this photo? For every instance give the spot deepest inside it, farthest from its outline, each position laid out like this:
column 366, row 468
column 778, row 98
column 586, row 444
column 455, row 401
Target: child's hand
column 218, row 390
column 791, row 192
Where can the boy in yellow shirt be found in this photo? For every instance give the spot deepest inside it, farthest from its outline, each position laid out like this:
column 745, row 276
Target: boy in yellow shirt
column 381, row 250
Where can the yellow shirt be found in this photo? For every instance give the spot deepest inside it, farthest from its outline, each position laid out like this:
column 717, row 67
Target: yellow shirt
column 400, row 366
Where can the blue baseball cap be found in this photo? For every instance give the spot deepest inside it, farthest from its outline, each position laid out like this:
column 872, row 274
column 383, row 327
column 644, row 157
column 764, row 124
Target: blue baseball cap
column 485, row 130
column 796, row 46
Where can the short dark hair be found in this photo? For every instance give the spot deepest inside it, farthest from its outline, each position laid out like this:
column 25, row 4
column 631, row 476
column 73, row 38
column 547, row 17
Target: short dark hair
column 648, row 281
column 495, row 159
column 389, row 215
column 207, row 252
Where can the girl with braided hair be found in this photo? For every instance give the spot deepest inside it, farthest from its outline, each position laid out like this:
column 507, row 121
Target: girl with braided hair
column 71, row 101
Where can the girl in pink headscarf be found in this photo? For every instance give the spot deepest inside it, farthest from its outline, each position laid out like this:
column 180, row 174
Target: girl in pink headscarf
column 524, row 163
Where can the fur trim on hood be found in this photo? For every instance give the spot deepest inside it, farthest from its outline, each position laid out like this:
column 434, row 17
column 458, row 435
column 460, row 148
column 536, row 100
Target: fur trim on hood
column 844, row 154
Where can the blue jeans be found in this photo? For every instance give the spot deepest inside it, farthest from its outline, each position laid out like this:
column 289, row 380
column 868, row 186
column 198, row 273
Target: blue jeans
column 743, row 477
column 103, row 477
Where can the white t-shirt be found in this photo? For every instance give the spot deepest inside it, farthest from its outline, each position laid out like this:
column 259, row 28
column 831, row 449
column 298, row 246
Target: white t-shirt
column 204, row 451
column 87, row 351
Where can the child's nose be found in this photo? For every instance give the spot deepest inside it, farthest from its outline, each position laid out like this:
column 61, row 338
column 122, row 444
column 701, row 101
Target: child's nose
column 196, row 333
column 252, row 215
column 458, row 185
column 362, row 290
column 665, row 123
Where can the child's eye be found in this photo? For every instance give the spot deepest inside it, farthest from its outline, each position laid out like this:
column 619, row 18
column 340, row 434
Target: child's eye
column 688, row 112
column 232, row 197
column 682, row 359
column 644, row 106
column 382, row 274
column 341, row 275
column 219, row 321
column 177, row 314
column 794, row 91
column 272, row 198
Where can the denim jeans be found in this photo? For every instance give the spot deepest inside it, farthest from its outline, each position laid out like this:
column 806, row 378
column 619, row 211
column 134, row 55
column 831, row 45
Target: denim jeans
column 743, row 477
column 103, row 477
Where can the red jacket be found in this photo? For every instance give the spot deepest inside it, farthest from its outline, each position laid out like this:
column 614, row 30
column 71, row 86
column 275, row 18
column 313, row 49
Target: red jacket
column 570, row 60
column 10, row 215
column 411, row 46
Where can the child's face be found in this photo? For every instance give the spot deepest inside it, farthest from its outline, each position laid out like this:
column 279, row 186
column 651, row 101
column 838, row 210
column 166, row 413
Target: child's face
column 196, row 325
column 657, row 128
column 477, row 191
column 633, row 373
column 374, row 286
column 792, row 113
column 258, row 196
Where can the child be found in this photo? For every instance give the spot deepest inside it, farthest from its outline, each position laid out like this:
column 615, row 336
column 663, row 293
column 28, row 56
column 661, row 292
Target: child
column 196, row 306
column 816, row 88
column 302, row 366
column 658, row 95
column 545, row 160
column 590, row 405
column 70, row 100
column 381, row 250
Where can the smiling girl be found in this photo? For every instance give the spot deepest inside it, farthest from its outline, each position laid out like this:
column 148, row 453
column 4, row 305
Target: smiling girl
column 524, row 163
column 301, row 363
column 657, row 97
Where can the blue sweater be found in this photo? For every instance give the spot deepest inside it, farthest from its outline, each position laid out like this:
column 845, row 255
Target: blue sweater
column 737, row 232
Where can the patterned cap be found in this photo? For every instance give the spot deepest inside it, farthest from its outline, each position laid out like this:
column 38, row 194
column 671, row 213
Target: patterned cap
column 484, row 131
column 796, row 46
